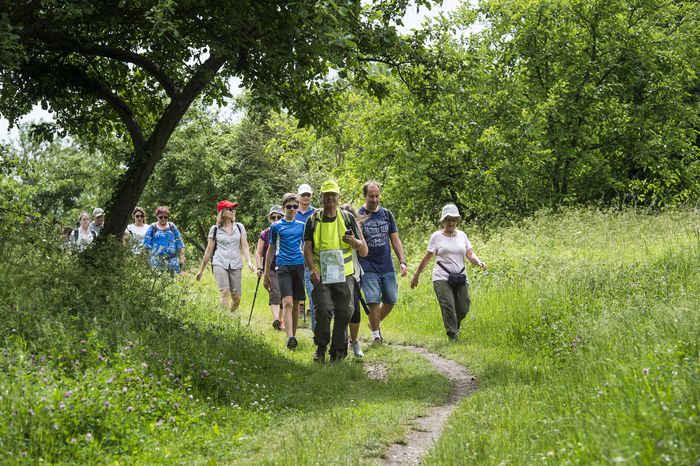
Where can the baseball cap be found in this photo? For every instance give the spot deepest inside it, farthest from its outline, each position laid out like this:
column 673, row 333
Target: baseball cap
column 225, row 204
column 97, row 212
column 450, row 210
column 276, row 209
column 304, row 188
column 330, row 186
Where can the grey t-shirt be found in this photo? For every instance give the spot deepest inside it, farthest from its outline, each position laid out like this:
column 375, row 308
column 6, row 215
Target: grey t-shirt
column 228, row 246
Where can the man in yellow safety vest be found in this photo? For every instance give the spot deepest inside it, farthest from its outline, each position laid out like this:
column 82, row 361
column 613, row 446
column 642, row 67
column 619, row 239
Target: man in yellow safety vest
column 329, row 237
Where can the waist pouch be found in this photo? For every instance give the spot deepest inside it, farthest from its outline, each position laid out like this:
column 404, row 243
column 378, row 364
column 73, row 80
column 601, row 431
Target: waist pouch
column 455, row 280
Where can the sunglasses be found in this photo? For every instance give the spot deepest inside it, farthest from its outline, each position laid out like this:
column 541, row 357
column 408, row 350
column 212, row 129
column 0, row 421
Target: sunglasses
column 305, row 195
column 274, row 218
column 230, row 208
column 163, row 217
column 291, row 206
column 138, row 215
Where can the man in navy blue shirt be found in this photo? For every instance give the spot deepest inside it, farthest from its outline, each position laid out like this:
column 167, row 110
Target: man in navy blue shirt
column 306, row 210
column 379, row 280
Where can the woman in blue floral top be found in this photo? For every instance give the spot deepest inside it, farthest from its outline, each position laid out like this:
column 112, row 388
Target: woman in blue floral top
column 165, row 244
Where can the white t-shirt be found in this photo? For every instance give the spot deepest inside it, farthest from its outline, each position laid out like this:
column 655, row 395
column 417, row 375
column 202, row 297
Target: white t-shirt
column 450, row 251
column 136, row 236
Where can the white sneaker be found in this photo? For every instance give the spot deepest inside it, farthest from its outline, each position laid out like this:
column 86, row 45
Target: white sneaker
column 356, row 350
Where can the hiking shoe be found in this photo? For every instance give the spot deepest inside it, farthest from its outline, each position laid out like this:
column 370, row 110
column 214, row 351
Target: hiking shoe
column 337, row 357
column 292, row 343
column 276, row 324
column 356, row 350
column 320, row 355
column 377, row 341
column 452, row 337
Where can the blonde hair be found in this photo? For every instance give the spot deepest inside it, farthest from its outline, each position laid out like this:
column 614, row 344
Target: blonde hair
column 220, row 217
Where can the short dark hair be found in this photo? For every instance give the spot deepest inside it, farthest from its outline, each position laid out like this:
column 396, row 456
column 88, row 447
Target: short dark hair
column 365, row 187
column 289, row 197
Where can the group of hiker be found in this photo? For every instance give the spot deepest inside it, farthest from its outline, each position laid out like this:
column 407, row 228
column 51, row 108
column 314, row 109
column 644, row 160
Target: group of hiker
column 327, row 257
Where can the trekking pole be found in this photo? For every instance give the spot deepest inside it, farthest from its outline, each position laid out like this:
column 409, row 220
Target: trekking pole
column 254, row 296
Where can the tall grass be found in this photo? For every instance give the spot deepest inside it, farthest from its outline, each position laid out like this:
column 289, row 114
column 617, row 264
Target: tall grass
column 585, row 334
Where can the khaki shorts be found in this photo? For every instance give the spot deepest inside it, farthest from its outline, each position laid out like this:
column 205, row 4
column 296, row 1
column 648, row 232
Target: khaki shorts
column 275, row 296
column 228, row 279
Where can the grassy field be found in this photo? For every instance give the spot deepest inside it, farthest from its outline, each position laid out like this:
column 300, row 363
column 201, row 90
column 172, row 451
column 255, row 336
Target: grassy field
column 584, row 334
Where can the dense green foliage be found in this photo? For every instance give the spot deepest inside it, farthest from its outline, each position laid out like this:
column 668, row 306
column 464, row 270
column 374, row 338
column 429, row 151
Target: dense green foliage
column 583, row 332
column 536, row 104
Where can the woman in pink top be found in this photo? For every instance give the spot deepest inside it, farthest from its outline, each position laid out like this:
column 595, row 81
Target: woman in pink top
column 450, row 246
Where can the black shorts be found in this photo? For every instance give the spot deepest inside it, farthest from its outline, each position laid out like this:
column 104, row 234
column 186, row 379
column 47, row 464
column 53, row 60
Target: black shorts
column 290, row 279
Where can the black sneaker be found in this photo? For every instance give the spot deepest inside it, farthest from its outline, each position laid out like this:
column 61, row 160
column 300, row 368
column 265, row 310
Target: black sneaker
column 452, row 337
column 320, row 355
column 292, row 343
column 276, row 324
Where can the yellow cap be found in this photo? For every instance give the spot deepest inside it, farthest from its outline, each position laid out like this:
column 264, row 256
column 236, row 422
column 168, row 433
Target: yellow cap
column 330, row 186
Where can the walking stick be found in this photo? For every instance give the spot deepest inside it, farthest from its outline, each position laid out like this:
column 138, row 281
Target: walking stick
column 254, row 296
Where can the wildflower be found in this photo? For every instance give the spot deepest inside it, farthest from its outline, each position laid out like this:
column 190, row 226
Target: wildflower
column 24, row 453
column 176, row 405
column 645, row 371
column 600, row 393
column 159, row 423
column 172, row 419
column 62, row 405
column 88, row 437
column 129, row 370
column 110, row 380
column 73, row 440
column 107, row 404
column 82, row 342
column 124, row 389
column 30, row 411
column 129, row 409
column 67, row 394
column 54, row 426
column 83, row 351
column 203, row 374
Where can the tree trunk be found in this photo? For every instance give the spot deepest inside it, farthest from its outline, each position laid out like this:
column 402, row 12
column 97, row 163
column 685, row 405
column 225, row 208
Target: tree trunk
column 133, row 181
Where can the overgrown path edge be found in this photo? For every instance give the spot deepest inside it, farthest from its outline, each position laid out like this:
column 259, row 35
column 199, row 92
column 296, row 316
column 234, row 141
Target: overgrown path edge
column 428, row 429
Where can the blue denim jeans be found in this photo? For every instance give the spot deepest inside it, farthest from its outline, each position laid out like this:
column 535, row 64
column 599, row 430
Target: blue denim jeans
column 310, row 304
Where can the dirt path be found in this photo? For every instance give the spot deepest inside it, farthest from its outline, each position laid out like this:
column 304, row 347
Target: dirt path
column 428, row 429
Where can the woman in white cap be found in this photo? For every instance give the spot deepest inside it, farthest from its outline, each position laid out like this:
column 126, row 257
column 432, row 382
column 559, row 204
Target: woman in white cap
column 275, row 300
column 450, row 246
column 226, row 241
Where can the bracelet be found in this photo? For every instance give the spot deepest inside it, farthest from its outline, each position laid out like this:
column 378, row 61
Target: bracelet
column 403, row 263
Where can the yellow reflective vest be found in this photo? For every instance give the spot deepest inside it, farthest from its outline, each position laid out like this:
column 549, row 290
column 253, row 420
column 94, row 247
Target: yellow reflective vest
column 329, row 236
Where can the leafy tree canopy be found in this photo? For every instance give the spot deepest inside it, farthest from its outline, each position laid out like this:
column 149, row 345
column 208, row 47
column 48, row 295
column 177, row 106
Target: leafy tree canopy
column 133, row 68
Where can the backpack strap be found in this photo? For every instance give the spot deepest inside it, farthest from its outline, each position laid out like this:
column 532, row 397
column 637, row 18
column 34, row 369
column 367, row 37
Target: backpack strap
column 316, row 217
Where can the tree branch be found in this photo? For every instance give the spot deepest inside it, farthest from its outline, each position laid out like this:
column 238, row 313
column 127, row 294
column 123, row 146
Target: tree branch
column 77, row 77
column 61, row 43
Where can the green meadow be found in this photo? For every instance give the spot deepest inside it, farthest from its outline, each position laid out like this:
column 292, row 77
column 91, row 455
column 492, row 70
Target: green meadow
column 584, row 336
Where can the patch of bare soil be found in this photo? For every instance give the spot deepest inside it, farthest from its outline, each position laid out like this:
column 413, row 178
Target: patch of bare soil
column 376, row 371
column 428, row 429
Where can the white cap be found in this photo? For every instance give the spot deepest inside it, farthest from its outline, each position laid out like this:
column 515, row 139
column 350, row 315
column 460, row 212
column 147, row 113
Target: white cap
column 304, row 188
column 450, row 210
